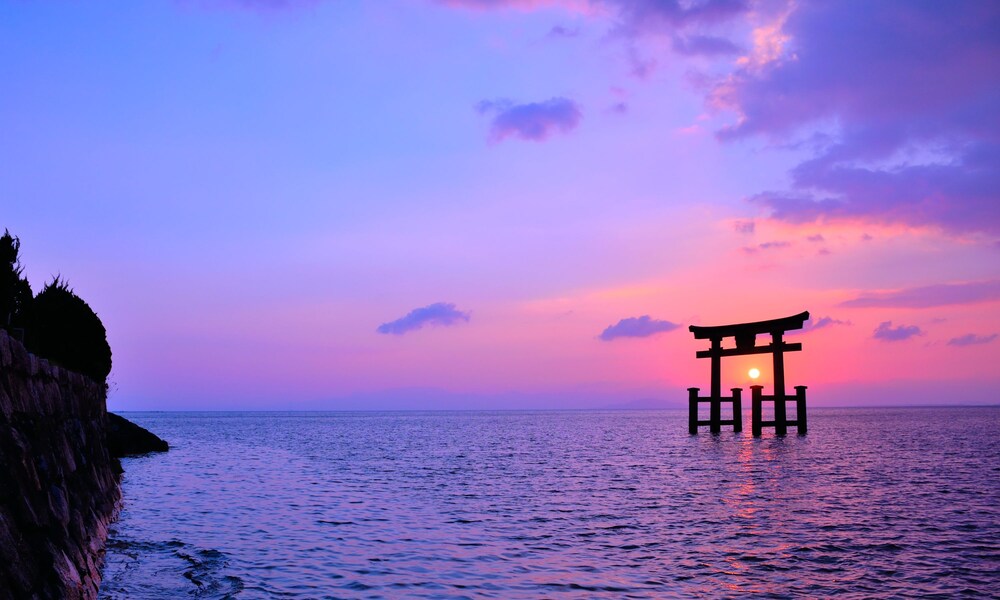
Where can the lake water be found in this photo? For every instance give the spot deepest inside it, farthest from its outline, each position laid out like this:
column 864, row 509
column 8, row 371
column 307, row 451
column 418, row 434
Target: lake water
column 590, row 504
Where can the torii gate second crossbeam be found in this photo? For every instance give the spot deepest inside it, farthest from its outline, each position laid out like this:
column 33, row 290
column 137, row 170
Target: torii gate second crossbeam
column 745, row 334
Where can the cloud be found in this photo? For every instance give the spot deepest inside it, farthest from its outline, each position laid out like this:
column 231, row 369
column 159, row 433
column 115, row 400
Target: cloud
column 634, row 17
column 297, row 4
column 929, row 296
column 439, row 313
column 704, row 45
column 765, row 246
column 886, row 332
column 535, row 121
column 657, row 16
column 957, row 197
column 559, row 31
column 258, row 5
column 497, row 4
column 897, row 97
column 744, row 226
column 907, row 92
column 816, row 238
column 971, row 339
column 618, row 108
column 821, row 323
column 682, row 22
column 643, row 326
column 640, row 67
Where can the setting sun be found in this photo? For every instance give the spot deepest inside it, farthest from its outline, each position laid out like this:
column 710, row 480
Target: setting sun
column 754, row 373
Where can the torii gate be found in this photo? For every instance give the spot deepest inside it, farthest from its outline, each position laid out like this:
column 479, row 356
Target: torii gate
column 745, row 334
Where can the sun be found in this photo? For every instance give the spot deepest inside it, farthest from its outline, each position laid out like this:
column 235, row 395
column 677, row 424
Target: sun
column 754, row 373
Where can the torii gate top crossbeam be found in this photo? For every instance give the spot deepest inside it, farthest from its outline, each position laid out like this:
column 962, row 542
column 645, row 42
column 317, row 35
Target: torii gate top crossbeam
column 745, row 329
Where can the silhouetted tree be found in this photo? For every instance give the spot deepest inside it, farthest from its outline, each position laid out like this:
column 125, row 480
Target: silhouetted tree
column 63, row 328
column 15, row 292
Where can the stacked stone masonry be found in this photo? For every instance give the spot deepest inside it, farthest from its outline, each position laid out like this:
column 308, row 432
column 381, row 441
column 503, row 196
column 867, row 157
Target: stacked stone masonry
column 59, row 488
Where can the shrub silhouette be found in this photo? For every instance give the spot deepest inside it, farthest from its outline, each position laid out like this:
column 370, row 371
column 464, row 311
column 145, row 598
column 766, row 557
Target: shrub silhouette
column 63, row 328
column 15, row 292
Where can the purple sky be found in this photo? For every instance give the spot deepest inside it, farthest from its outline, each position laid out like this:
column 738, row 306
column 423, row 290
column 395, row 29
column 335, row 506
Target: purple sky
column 489, row 203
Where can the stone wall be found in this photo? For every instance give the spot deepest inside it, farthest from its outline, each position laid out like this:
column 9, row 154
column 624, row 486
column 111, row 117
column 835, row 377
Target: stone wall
column 59, row 488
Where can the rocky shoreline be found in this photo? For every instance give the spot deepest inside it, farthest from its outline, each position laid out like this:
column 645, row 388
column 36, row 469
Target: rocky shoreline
column 59, row 476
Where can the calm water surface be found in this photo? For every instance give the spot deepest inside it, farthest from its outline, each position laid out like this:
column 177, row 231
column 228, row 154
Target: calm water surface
column 617, row 504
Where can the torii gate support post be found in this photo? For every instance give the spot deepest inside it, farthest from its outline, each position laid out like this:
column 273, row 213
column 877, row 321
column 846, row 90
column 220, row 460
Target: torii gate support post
column 737, row 409
column 780, row 418
column 755, row 409
column 715, row 413
column 800, row 409
column 693, row 410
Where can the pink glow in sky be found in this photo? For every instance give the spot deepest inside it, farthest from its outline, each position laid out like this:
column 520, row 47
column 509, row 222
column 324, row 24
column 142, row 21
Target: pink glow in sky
column 441, row 204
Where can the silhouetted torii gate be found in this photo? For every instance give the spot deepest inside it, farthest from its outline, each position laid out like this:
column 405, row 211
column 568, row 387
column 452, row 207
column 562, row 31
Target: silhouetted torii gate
column 745, row 334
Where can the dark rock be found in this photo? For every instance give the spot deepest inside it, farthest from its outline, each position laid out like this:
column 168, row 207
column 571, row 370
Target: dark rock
column 59, row 505
column 125, row 438
column 59, row 488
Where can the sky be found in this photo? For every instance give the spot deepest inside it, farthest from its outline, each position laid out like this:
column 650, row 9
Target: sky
column 438, row 204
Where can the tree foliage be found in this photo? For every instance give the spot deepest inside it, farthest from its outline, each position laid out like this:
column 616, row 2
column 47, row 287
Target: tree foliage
column 63, row 328
column 57, row 324
column 15, row 292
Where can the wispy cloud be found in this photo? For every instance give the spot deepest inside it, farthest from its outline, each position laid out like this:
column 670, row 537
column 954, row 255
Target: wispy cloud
column 536, row 121
column 618, row 108
column 765, row 246
column 886, row 332
column 930, row 296
column 439, row 313
column 744, row 226
column 971, row 339
column 820, row 323
column 643, row 326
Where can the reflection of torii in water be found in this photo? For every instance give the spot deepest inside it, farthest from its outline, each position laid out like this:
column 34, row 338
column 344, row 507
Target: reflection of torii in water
column 745, row 334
